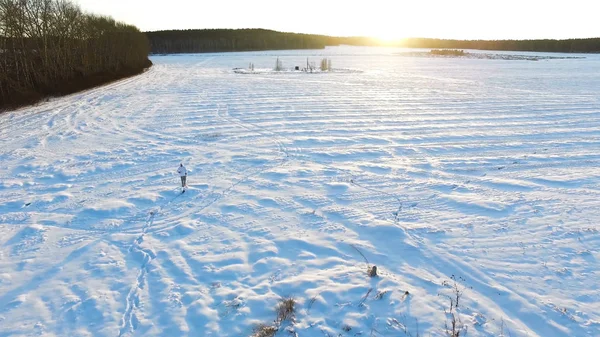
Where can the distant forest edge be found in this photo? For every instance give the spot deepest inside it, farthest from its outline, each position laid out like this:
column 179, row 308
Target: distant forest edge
column 229, row 40
column 51, row 48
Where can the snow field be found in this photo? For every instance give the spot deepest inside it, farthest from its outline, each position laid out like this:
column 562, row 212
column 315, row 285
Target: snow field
column 487, row 170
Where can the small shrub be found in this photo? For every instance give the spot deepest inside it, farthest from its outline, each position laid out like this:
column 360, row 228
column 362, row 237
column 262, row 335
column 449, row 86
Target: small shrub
column 372, row 271
column 286, row 309
column 453, row 326
column 263, row 330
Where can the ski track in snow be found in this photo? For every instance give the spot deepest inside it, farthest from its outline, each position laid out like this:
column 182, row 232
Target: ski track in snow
column 487, row 170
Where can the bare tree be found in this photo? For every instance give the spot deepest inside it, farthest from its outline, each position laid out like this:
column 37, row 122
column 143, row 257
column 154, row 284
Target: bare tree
column 50, row 47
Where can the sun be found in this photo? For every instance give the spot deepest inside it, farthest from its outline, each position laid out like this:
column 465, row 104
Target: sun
column 388, row 38
column 387, row 32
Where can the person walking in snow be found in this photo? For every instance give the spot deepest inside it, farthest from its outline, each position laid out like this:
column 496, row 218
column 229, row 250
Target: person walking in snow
column 183, row 174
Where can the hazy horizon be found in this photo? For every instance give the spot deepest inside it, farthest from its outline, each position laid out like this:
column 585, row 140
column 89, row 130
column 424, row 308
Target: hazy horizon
column 384, row 19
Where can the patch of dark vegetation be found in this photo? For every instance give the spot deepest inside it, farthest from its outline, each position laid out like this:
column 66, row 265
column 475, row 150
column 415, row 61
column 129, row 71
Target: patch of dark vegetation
column 286, row 309
column 263, row 330
column 451, row 52
column 52, row 48
column 590, row 45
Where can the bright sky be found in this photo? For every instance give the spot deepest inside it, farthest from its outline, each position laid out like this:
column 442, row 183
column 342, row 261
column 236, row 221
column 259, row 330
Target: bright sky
column 388, row 19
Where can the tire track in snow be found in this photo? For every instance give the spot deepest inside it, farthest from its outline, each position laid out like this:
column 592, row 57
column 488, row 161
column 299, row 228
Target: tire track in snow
column 257, row 129
column 52, row 115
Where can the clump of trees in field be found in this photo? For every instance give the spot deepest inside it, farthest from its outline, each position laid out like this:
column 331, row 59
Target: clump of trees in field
column 50, row 47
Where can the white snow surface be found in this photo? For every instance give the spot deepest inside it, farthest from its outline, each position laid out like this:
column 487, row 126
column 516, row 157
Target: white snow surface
column 487, row 170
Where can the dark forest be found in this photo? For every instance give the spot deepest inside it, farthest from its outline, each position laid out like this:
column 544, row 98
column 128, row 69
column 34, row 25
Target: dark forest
column 51, row 48
column 228, row 40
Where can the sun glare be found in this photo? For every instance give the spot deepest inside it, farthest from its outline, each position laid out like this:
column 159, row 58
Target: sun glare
column 387, row 36
column 388, row 32
column 386, row 39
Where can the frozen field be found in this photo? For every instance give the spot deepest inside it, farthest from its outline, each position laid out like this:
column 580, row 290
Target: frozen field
column 485, row 170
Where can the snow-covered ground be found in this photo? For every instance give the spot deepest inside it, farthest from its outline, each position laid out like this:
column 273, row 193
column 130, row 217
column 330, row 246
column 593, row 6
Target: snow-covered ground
column 482, row 171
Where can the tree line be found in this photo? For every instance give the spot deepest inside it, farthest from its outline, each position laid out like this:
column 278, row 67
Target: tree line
column 227, row 40
column 50, row 47
column 591, row 45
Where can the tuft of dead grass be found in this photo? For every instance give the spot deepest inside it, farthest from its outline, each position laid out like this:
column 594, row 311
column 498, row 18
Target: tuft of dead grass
column 263, row 330
column 286, row 309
